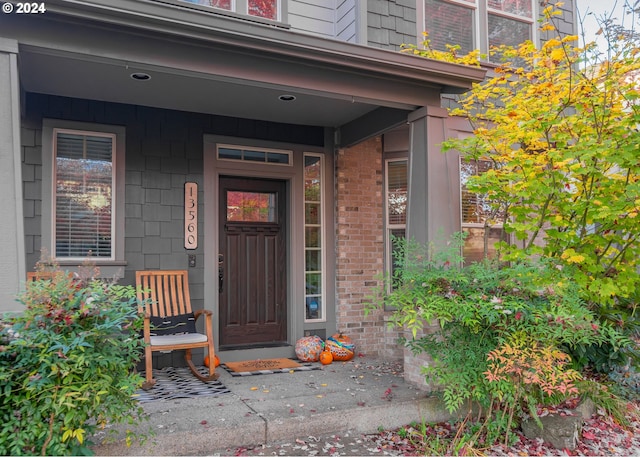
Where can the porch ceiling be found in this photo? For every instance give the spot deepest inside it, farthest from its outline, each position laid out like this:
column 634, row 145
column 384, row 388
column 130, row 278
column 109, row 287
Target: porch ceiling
column 203, row 63
column 66, row 75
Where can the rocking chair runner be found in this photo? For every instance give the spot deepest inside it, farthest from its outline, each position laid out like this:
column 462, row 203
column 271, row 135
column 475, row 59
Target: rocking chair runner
column 169, row 323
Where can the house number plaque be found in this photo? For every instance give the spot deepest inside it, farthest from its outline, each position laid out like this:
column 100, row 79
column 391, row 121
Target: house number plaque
column 190, row 215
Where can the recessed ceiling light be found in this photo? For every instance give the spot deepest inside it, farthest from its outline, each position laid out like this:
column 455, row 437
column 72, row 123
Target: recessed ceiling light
column 140, row 76
column 287, row 98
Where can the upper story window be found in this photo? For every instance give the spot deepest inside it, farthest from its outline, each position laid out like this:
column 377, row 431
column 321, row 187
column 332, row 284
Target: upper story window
column 266, row 9
column 477, row 24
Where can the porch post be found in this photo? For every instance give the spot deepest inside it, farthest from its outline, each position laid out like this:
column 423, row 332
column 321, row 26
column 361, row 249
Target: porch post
column 12, row 260
column 433, row 212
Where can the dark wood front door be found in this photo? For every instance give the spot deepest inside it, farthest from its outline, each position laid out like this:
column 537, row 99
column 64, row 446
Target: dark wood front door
column 252, row 262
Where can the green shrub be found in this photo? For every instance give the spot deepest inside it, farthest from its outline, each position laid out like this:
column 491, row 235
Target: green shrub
column 67, row 365
column 502, row 330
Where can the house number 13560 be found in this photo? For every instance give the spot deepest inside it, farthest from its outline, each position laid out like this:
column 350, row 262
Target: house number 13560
column 190, row 215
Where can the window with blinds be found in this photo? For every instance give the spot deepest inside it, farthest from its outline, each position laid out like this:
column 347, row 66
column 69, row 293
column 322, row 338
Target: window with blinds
column 477, row 24
column 396, row 194
column 83, row 203
column 481, row 222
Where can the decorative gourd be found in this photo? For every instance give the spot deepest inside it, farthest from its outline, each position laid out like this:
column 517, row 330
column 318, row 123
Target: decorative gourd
column 216, row 361
column 326, row 357
column 308, row 348
column 341, row 347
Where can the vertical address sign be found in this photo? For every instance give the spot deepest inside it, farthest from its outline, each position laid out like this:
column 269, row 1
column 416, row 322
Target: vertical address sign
column 190, row 215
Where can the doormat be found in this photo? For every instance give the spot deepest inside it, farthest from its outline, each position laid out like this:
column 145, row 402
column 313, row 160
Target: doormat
column 172, row 382
column 266, row 366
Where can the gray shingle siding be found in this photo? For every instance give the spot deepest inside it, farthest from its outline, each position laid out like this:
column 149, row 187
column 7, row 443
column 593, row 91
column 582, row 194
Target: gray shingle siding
column 391, row 24
column 163, row 151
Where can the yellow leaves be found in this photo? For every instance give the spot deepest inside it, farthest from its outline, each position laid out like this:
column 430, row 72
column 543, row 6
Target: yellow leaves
column 569, row 38
column 557, row 54
column 77, row 433
column 571, row 256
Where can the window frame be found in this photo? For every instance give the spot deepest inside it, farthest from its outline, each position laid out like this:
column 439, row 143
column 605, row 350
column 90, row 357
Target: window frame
column 239, row 9
column 474, row 225
column 323, row 241
column 243, row 149
column 481, row 20
column 50, row 128
column 388, row 226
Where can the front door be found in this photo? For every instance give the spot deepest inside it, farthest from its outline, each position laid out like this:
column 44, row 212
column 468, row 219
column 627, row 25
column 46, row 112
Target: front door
column 252, row 280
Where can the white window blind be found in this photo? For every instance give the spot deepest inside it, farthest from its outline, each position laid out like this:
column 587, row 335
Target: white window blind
column 480, row 221
column 84, row 182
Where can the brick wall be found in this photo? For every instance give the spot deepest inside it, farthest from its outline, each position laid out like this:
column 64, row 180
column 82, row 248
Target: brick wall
column 360, row 248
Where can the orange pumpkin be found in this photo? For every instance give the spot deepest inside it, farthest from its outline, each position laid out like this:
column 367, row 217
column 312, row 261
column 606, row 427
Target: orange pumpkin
column 341, row 347
column 344, row 339
column 326, row 357
column 216, row 361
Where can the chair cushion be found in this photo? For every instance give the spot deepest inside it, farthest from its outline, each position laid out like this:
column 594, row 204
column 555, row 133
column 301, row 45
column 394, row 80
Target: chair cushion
column 185, row 338
column 172, row 325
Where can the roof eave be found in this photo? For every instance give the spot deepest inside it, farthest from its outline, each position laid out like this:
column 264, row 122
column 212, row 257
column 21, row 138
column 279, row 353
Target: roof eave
column 169, row 19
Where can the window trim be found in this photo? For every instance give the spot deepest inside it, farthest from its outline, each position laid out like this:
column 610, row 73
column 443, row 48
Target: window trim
column 388, row 227
column 287, row 152
column 237, row 13
column 49, row 129
column 473, row 225
column 481, row 17
column 323, row 240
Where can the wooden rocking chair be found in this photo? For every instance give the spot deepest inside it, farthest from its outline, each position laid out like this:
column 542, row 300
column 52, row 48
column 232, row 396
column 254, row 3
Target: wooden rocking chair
column 169, row 322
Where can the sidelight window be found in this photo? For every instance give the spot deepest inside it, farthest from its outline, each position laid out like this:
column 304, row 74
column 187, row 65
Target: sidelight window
column 313, row 238
column 396, row 193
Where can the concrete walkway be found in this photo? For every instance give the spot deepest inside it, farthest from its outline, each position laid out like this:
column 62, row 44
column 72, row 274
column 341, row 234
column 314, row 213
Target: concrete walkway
column 361, row 395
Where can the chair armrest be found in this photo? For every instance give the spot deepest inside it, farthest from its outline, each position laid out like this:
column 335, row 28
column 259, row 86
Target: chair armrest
column 206, row 312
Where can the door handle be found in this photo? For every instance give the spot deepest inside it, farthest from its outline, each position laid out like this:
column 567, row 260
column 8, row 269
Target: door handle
column 220, row 273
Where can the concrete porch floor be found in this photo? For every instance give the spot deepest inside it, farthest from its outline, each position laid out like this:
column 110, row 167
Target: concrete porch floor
column 361, row 395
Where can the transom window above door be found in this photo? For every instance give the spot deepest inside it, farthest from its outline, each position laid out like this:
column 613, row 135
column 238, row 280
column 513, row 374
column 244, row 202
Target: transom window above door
column 258, row 155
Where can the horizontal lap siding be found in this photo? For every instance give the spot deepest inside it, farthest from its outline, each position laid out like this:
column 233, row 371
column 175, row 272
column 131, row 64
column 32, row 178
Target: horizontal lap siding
column 313, row 16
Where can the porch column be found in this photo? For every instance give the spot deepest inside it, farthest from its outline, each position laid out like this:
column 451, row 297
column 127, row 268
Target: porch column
column 12, row 260
column 433, row 212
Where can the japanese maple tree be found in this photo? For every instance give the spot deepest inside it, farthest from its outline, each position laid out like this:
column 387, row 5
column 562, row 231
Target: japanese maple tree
column 561, row 131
